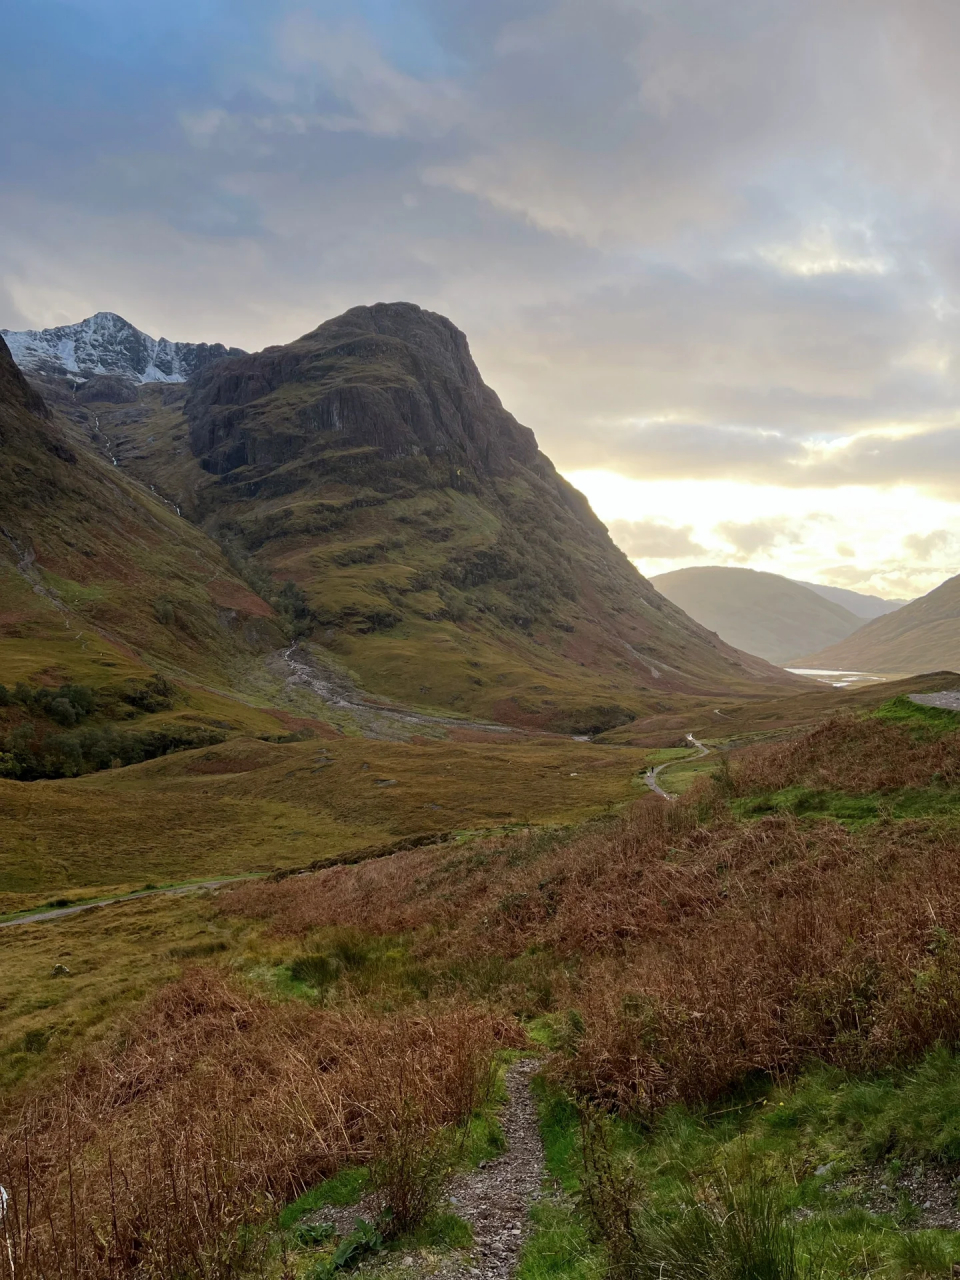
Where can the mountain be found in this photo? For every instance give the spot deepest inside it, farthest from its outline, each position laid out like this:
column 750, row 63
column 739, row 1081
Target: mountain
column 924, row 635
column 441, row 558
column 106, row 344
column 100, row 579
column 859, row 604
column 761, row 613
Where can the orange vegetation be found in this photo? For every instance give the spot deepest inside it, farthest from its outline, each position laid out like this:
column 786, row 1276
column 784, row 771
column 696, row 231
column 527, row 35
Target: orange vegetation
column 219, row 1105
column 689, row 949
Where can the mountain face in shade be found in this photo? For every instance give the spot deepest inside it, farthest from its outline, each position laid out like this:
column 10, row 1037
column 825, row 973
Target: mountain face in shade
column 391, row 378
column 762, row 613
column 860, row 605
column 922, row 636
column 108, row 345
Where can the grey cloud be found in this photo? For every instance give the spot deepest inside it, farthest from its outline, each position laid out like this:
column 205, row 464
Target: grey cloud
column 685, row 238
column 651, row 540
column 759, row 535
column 925, row 546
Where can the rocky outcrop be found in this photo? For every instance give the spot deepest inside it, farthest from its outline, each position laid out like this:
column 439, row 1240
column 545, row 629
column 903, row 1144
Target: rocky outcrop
column 15, row 391
column 391, row 377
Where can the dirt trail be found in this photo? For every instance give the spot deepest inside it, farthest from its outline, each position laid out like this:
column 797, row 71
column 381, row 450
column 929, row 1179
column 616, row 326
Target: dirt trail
column 55, row 913
column 495, row 1198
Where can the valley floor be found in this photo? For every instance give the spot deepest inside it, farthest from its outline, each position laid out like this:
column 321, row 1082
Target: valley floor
column 740, row 1010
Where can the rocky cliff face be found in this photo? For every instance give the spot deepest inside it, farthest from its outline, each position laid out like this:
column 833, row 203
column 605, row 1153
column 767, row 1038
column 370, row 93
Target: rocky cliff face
column 391, row 377
column 106, row 344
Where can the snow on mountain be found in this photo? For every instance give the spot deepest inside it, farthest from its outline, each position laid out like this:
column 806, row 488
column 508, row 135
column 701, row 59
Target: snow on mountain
column 108, row 344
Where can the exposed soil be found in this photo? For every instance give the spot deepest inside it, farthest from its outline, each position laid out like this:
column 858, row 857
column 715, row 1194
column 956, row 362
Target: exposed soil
column 929, row 1194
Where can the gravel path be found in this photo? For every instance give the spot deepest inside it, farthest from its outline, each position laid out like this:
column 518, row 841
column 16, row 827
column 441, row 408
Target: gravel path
column 57, row 913
column 496, row 1198
column 650, row 777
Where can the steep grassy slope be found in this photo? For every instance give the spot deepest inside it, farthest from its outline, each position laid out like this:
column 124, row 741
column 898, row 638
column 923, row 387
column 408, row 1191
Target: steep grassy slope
column 922, row 636
column 761, row 613
column 442, row 557
column 99, row 580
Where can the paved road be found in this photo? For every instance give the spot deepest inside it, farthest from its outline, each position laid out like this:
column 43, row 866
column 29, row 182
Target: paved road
column 650, row 777
column 949, row 701
column 56, row 913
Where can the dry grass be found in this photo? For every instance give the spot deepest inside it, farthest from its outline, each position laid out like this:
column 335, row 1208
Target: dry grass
column 693, row 949
column 856, row 756
column 217, row 1106
column 115, row 956
column 249, row 805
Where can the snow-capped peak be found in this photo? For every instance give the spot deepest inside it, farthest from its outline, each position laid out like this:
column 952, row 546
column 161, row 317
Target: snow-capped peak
column 108, row 344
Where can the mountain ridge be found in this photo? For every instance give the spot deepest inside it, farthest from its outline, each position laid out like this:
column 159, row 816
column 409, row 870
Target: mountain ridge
column 859, row 603
column 923, row 635
column 99, row 577
column 105, row 345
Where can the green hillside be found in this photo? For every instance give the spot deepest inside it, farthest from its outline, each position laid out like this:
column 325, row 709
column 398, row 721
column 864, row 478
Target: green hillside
column 99, row 579
column 442, row 559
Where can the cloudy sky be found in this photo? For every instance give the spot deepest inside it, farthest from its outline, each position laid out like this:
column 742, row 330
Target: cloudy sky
column 708, row 249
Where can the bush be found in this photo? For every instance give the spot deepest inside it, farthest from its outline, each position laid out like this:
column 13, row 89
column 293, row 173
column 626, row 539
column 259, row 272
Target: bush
column 318, row 971
column 292, row 605
column 93, row 747
column 411, row 1166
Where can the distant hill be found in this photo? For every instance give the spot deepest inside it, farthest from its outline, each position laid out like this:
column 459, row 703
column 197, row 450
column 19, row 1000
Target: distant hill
column 863, row 606
column 762, row 613
column 924, row 635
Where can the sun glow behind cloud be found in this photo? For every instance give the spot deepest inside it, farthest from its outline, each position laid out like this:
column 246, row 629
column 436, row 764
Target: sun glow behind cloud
column 894, row 542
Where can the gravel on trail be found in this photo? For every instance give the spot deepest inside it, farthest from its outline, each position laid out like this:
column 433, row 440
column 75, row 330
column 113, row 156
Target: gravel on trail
column 495, row 1198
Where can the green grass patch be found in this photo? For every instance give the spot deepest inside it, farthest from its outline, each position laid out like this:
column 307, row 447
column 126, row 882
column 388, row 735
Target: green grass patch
column 909, row 802
column 811, row 1156
column 927, row 722
column 348, row 1186
column 558, row 1247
